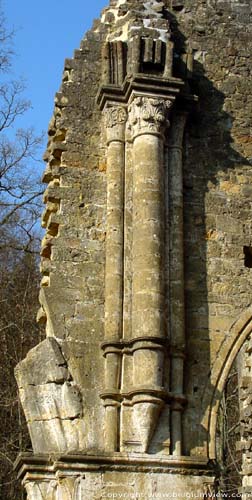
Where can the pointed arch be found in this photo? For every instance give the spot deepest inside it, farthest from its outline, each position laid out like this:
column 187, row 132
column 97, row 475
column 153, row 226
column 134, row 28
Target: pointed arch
column 230, row 347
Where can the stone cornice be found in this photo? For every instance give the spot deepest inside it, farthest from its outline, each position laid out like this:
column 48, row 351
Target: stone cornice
column 46, row 465
column 140, row 84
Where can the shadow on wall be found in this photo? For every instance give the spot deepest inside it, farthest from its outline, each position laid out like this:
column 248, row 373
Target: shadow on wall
column 216, row 235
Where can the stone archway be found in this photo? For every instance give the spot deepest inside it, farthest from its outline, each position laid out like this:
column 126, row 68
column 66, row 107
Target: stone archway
column 238, row 341
column 238, row 333
column 229, row 451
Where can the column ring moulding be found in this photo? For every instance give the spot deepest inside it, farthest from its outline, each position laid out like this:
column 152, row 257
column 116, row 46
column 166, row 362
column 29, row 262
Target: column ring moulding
column 139, row 110
column 115, row 122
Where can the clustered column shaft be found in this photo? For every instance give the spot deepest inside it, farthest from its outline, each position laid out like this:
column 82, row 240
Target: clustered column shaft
column 146, row 350
column 176, row 279
column 148, row 121
column 115, row 122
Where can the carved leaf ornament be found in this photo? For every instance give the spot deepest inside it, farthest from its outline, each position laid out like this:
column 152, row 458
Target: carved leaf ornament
column 149, row 114
column 115, row 115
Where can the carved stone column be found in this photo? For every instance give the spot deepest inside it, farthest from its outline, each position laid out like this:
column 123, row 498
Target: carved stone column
column 176, row 279
column 115, row 119
column 148, row 122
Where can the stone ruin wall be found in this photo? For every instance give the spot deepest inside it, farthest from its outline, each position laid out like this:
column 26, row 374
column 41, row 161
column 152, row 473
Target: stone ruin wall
column 217, row 192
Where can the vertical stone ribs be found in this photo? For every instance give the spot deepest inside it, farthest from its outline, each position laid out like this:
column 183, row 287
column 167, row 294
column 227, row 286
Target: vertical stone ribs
column 144, row 345
column 142, row 396
column 114, row 56
column 141, row 54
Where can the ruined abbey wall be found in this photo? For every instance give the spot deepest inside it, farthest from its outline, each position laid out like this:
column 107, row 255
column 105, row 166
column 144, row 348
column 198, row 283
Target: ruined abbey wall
column 205, row 255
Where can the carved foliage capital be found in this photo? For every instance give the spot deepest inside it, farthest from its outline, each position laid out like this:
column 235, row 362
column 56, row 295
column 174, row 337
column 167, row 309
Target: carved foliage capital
column 115, row 119
column 149, row 115
column 115, row 115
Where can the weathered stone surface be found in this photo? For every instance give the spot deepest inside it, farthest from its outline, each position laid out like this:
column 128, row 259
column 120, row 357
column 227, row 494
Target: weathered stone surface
column 146, row 479
column 44, row 365
column 51, row 400
column 146, row 259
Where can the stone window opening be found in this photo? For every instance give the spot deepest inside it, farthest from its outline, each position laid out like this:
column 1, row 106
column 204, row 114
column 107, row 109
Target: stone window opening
column 247, row 250
column 228, row 436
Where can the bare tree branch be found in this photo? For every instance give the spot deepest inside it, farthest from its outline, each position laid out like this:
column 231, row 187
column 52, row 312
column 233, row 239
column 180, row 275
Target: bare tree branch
column 20, row 200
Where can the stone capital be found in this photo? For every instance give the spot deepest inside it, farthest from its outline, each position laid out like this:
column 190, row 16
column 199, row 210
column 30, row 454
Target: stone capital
column 148, row 115
column 115, row 119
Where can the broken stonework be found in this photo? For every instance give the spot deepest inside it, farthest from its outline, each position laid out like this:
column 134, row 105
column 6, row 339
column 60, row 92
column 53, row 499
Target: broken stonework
column 52, row 400
column 146, row 261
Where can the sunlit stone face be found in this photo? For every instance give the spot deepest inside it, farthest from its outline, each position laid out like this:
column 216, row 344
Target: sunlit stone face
column 146, row 293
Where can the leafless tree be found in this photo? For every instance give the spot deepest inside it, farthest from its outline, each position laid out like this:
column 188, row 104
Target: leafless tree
column 18, row 333
column 20, row 188
column 20, row 193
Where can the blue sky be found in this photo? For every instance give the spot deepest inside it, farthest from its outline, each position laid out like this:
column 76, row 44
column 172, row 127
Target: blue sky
column 47, row 32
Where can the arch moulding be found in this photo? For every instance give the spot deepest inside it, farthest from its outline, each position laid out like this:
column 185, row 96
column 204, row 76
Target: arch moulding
column 230, row 347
